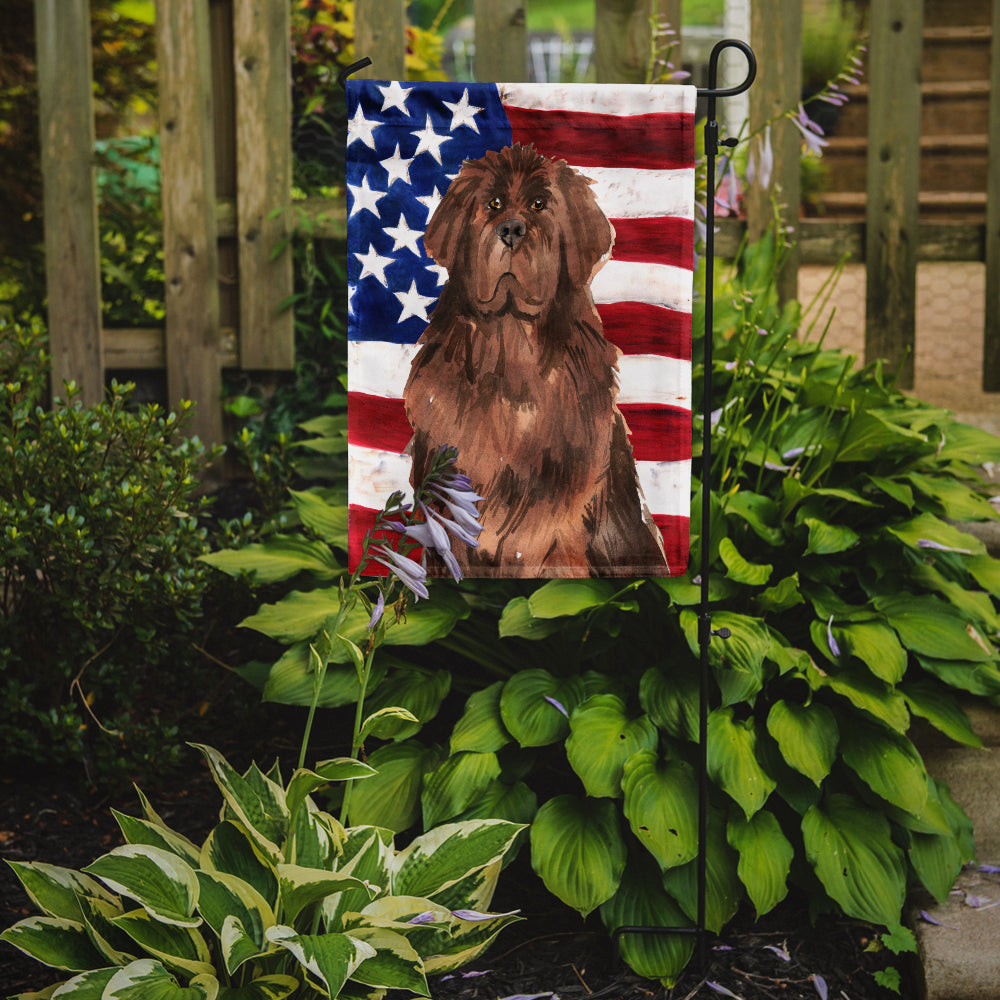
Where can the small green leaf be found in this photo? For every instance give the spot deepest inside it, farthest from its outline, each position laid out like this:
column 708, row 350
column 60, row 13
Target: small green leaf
column 932, row 628
column 807, row 736
column 888, row 763
column 279, row 558
column 739, row 569
column 765, row 858
column 391, row 798
column 180, row 948
column 535, row 706
column 481, row 727
column 928, row 528
column 327, row 520
column 383, row 723
column 559, row 598
column 518, row 621
column 732, row 760
column 671, row 699
column 828, row 539
column 936, row 704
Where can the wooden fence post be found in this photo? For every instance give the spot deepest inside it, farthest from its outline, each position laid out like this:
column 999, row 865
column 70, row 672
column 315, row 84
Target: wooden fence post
column 501, row 41
column 72, row 255
column 893, row 183
column 380, row 34
column 190, row 251
column 621, row 40
column 991, row 332
column 776, row 35
column 262, row 60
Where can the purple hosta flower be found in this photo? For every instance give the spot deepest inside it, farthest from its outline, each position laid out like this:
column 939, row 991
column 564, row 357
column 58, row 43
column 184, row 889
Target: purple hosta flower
column 727, row 197
column 820, row 983
column 465, row 975
column 427, row 917
column 927, row 543
column 719, row 988
column 558, row 705
column 990, row 869
column 411, row 574
column 834, row 648
column 531, row 996
column 377, row 611
column 812, row 134
column 761, row 163
column 780, row 952
column 475, row 915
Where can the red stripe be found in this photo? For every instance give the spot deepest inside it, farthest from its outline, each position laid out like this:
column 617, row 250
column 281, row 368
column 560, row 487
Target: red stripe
column 360, row 520
column 377, row 422
column 676, row 532
column 655, row 240
column 641, row 328
column 584, row 139
column 658, row 433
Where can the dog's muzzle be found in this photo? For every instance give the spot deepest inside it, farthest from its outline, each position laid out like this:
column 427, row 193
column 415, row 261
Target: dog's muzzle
column 510, row 232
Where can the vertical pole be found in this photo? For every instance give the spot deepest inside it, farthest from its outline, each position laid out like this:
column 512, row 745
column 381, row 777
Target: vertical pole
column 190, row 251
column 380, row 34
column 776, row 33
column 991, row 333
column 72, row 256
column 893, row 184
column 501, row 38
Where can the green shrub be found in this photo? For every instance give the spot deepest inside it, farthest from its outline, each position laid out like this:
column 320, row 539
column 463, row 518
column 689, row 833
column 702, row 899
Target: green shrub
column 280, row 899
column 99, row 541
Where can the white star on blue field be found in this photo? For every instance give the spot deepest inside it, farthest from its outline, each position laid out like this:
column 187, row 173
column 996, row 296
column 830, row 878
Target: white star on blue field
column 405, row 144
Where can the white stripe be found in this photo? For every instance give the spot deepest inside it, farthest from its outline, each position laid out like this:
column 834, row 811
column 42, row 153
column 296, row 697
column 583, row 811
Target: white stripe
column 374, row 475
column 378, row 368
column 600, row 98
column 636, row 194
column 648, row 378
column 656, row 284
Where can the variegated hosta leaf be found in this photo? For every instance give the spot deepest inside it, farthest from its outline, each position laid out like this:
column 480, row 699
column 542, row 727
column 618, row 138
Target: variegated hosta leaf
column 86, row 986
column 158, row 880
column 116, row 946
column 578, row 851
column 274, row 987
column 304, row 782
column 54, row 941
column 642, row 902
column 732, row 760
column 367, row 853
column 807, row 736
column 602, row 737
column 56, row 891
column 147, row 979
column 177, row 947
column 329, row 959
column 395, row 964
column 481, row 727
column 476, row 890
column 441, row 857
column 230, row 849
column 765, row 858
column 661, row 799
column 850, row 847
column 456, row 784
column 315, row 838
column 225, row 897
column 466, row 941
column 141, row 831
column 300, row 887
column 256, row 801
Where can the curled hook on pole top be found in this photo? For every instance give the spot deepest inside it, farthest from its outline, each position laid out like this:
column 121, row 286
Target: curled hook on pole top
column 712, row 90
column 352, row 68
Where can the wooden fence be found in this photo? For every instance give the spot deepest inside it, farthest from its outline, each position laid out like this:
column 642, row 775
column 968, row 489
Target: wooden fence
column 226, row 161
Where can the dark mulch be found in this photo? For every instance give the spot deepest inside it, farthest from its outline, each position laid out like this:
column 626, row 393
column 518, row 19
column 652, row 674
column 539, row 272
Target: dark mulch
column 551, row 951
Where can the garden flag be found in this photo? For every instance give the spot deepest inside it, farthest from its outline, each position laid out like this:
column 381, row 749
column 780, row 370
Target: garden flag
column 520, row 278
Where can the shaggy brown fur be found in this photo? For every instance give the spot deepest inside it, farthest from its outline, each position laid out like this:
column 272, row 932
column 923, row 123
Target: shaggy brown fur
column 514, row 370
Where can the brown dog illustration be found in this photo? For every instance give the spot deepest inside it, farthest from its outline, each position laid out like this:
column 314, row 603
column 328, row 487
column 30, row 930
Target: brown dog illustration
column 514, row 370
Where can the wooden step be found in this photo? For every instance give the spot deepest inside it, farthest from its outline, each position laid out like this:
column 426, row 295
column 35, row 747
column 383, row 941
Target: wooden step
column 958, row 206
column 940, row 13
column 956, row 53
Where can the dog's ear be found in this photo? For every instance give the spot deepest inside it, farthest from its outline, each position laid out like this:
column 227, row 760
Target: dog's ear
column 587, row 233
column 450, row 221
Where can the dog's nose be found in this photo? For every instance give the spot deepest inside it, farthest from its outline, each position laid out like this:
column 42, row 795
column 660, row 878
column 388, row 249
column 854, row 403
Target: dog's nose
column 511, row 232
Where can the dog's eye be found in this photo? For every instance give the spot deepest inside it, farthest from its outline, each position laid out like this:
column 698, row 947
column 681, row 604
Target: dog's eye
column 538, row 204
column 496, row 203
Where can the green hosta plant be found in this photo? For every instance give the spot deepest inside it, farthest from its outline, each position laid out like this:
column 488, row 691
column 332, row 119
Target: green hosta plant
column 279, row 900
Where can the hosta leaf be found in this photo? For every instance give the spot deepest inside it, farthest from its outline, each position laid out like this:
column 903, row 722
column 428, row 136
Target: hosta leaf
column 739, row 569
column 56, row 891
column 976, row 678
column 389, row 723
column 671, row 699
column 291, row 680
column 147, row 979
column 98, row 916
column 301, row 887
column 274, row 987
column 870, row 435
column 517, row 620
column 366, row 855
column 957, row 501
column 738, row 661
column 304, row 782
column 783, row 595
column 765, row 858
column 931, row 628
column 866, row 692
column 86, row 986
column 327, row 520
column 391, row 798
column 941, row 709
column 732, row 760
column 516, row 803
column 986, row 571
column 330, row 959
column 159, row 881
column 601, row 739
column 395, row 964
column 937, row 860
column 481, row 728
column 850, row 848
column 180, row 948
column 888, row 763
column 807, row 736
column 415, row 689
column 280, row 557
column 230, row 849
column 928, row 528
column 54, row 941
column 559, row 598
column 641, row 901
column 661, row 798
column 723, row 889
column 578, row 851
column 876, row 646
column 225, row 897
column 141, row 831
column 441, row 857
column 529, row 706
column 758, row 511
column 827, row 539
column 456, row 784
column 465, row 941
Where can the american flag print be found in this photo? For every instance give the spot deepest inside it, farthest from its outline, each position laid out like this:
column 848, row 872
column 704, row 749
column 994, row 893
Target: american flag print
column 406, row 143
